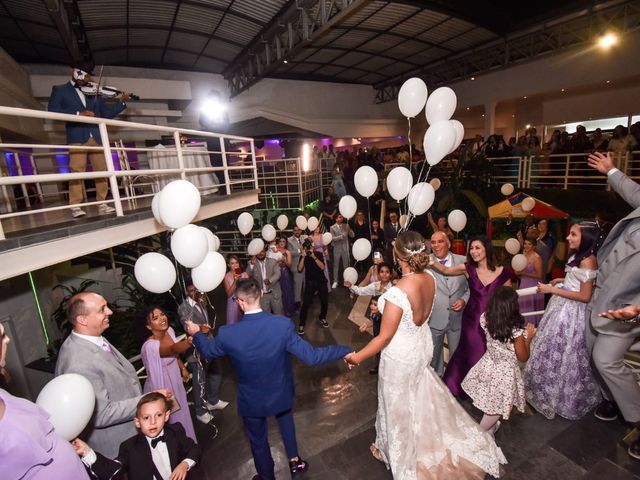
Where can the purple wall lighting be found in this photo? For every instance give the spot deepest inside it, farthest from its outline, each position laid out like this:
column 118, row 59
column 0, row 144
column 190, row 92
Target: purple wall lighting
column 11, row 160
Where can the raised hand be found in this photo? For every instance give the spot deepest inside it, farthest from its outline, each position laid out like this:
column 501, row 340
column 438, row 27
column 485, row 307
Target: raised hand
column 601, row 162
column 81, row 448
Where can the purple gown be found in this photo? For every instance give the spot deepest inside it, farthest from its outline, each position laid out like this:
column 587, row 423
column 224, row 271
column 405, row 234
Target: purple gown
column 531, row 303
column 473, row 343
column 234, row 314
column 30, row 448
column 164, row 372
column 286, row 285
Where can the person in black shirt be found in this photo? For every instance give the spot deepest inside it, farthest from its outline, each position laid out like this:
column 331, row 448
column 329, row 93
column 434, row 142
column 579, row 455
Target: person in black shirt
column 312, row 264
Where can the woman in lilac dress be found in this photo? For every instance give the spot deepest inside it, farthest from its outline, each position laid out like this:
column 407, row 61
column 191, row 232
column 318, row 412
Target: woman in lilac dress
column 164, row 367
column 234, row 314
column 286, row 283
column 529, row 277
column 30, row 448
column 558, row 377
column 484, row 276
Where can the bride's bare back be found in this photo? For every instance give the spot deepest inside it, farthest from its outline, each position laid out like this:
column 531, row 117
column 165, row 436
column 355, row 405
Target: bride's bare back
column 420, row 289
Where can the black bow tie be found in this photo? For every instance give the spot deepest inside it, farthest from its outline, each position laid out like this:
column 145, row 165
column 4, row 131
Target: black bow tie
column 158, row 439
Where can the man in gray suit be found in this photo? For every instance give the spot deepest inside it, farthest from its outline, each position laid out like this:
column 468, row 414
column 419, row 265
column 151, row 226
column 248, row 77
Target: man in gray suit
column 295, row 247
column 205, row 375
column 266, row 272
column 617, row 285
column 115, row 382
column 451, row 297
column 340, row 233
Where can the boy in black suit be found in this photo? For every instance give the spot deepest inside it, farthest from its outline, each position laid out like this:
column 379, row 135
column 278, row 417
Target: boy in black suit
column 159, row 450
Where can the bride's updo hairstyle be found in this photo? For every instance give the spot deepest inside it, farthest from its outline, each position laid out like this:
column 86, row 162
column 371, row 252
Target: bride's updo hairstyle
column 411, row 247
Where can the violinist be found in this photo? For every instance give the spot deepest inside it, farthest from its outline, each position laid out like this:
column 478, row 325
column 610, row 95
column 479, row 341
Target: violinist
column 69, row 98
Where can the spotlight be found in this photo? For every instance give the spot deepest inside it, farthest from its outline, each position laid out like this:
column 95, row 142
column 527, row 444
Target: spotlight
column 213, row 109
column 607, row 40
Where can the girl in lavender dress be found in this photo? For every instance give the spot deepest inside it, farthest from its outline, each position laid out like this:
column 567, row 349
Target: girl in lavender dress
column 160, row 356
column 286, row 283
column 558, row 377
column 230, row 279
column 30, row 447
column 529, row 277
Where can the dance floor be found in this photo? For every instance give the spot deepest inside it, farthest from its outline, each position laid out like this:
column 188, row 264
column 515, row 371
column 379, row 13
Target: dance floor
column 335, row 416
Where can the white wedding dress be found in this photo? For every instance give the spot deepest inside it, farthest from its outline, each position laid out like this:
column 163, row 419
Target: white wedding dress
column 422, row 432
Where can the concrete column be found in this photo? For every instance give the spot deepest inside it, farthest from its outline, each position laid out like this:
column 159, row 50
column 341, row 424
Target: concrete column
column 489, row 119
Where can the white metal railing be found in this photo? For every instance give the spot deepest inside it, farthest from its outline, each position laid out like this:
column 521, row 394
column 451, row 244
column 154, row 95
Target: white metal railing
column 238, row 169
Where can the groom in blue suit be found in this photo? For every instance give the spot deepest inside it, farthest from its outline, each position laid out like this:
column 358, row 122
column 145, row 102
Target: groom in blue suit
column 259, row 347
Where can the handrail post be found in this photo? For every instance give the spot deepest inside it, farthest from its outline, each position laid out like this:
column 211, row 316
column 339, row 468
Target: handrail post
column 113, row 180
column 255, row 164
column 566, row 172
column 23, row 187
column 227, row 182
column 176, row 140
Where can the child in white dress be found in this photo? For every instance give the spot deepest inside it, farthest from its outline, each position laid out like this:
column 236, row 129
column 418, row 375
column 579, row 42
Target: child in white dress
column 495, row 383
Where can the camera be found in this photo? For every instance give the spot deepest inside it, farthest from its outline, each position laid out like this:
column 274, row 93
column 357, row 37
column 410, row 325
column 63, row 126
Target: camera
column 307, row 245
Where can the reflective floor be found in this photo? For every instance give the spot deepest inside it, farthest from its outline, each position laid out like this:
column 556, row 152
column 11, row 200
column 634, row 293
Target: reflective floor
column 335, row 414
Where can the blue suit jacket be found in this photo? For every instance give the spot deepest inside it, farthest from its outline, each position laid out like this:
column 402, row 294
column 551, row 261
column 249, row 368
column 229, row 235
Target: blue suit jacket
column 259, row 347
column 65, row 99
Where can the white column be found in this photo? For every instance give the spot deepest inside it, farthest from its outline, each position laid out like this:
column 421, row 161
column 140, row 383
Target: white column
column 489, row 119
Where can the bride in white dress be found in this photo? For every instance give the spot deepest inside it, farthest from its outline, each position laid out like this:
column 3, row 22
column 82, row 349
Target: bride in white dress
column 422, row 432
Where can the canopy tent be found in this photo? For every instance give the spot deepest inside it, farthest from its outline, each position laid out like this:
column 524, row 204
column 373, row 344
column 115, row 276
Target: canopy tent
column 512, row 208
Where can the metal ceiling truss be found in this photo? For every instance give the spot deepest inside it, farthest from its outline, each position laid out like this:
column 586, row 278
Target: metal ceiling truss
column 298, row 26
column 549, row 38
column 65, row 16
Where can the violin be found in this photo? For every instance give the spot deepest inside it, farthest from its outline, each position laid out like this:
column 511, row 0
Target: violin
column 91, row 89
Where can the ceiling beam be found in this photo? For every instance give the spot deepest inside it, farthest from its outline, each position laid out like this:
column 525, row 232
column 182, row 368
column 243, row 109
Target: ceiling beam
column 65, row 16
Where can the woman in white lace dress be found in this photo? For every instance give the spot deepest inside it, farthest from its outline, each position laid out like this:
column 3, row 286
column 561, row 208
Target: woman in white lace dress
column 421, row 430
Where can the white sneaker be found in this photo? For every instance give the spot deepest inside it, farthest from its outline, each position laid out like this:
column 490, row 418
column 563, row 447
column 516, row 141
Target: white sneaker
column 335, row 285
column 104, row 208
column 77, row 212
column 206, row 417
column 218, row 406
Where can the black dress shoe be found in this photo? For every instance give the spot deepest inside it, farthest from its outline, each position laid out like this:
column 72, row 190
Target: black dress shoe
column 634, row 450
column 607, row 411
column 298, row 466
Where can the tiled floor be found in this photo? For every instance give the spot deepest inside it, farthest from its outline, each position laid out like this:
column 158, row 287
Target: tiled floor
column 335, row 414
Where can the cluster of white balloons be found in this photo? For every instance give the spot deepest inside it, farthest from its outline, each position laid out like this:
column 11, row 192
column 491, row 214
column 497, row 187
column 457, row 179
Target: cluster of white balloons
column 519, row 261
column 175, row 207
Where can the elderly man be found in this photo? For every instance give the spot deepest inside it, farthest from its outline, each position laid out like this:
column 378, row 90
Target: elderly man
column 451, row 297
column 617, row 286
column 266, row 272
column 114, row 380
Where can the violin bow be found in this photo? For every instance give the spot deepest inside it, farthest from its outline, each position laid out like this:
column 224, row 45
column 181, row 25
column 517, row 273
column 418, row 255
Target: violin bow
column 98, row 89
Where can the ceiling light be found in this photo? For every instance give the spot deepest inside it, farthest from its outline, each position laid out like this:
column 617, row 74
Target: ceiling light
column 527, row 125
column 473, row 78
column 468, row 109
column 483, row 114
column 525, row 97
column 286, row 61
column 213, row 109
column 608, row 40
column 608, row 81
column 562, row 90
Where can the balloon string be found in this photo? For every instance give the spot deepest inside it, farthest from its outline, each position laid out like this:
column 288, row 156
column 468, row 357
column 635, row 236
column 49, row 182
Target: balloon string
column 411, row 216
column 409, row 141
column 369, row 215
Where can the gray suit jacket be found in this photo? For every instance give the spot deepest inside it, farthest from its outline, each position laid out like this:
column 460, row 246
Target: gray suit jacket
column 272, row 270
column 618, row 281
column 448, row 290
column 116, row 386
column 340, row 237
column 294, row 247
column 193, row 313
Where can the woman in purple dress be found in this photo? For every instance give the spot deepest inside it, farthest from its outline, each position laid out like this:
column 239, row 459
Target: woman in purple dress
column 286, row 283
column 164, row 367
column 230, row 279
column 484, row 276
column 30, row 448
column 529, row 277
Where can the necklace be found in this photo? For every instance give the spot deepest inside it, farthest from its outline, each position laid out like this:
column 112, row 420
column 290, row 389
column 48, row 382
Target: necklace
column 407, row 274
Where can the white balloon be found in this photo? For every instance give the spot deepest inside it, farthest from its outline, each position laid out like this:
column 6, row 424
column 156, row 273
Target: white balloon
column 282, row 221
column 459, row 129
column 350, row 275
column 179, row 203
column 457, row 220
column 189, row 245
column 216, row 243
column 412, row 97
column 399, row 182
column 403, row 220
column 245, row 223
column 506, row 189
column 437, row 141
column 255, row 246
column 312, row 223
column 212, row 246
column 155, row 272
column 155, row 208
column 268, row 233
column 327, row 238
column 441, row 105
column 301, row 222
column 435, row 183
column 420, row 198
column 209, row 274
column 361, row 249
column 528, row 204
column 69, row 400
column 512, row 246
column 347, row 206
column 366, row 181
column 519, row 262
